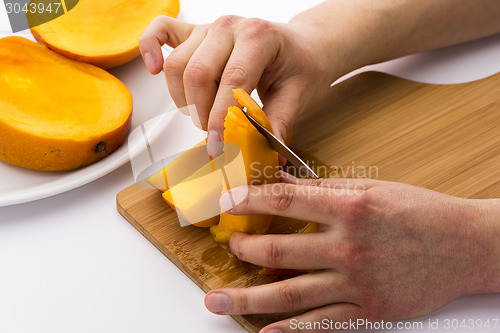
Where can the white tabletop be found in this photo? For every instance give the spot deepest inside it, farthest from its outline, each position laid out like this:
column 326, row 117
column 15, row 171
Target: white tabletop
column 71, row 263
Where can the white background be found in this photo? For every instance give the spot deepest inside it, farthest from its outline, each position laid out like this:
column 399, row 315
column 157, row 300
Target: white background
column 71, row 263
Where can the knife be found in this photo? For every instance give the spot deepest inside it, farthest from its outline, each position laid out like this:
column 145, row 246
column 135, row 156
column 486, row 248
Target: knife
column 281, row 148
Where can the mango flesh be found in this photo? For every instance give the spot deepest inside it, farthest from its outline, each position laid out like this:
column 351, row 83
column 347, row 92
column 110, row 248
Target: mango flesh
column 252, row 108
column 104, row 33
column 196, row 199
column 57, row 114
column 180, row 168
column 195, row 209
column 247, row 159
column 261, row 166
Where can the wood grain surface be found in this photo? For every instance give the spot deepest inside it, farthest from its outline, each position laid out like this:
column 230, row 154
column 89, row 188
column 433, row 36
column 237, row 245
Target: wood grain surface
column 442, row 137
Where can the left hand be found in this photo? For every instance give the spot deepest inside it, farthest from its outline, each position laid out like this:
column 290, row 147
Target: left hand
column 385, row 251
column 289, row 64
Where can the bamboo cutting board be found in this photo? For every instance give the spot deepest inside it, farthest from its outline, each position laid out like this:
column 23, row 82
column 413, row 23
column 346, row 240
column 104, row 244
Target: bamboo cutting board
column 442, row 137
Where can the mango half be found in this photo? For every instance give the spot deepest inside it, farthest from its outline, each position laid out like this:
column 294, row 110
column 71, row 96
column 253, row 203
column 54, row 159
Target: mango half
column 104, row 33
column 57, row 114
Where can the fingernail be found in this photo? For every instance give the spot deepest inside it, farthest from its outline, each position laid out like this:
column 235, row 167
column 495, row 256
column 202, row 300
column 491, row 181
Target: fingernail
column 215, row 143
column 274, row 330
column 226, row 202
column 231, row 243
column 218, row 303
column 150, row 61
column 184, row 110
column 232, row 198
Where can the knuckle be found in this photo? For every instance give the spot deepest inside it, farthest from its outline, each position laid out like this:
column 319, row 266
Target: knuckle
column 173, row 65
column 282, row 198
column 323, row 182
column 143, row 41
column 257, row 28
column 226, row 21
column 242, row 303
column 160, row 20
column 345, row 253
column 290, row 297
column 353, row 208
column 282, row 121
column 273, row 253
column 157, row 22
column 235, row 76
column 196, row 74
column 237, row 250
column 357, row 207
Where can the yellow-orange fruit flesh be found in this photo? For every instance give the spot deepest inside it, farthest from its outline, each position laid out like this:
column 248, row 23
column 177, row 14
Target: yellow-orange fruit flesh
column 261, row 166
column 104, row 33
column 196, row 198
column 57, row 114
column 181, row 168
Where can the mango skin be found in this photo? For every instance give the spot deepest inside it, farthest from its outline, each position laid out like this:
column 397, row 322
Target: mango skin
column 32, row 152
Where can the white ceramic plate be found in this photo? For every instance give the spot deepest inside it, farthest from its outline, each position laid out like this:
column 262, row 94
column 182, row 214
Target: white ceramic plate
column 151, row 99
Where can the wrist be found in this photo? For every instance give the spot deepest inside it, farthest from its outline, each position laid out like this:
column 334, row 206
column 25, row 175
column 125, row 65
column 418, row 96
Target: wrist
column 493, row 220
column 487, row 221
column 314, row 35
column 361, row 33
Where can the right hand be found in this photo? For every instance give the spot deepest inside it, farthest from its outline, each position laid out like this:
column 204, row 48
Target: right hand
column 287, row 63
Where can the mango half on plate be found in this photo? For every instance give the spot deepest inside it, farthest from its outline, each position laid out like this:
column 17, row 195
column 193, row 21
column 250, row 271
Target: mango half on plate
column 104, row 33
column 57, row 114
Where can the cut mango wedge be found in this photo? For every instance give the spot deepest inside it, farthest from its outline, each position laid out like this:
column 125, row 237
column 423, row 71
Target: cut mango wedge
column 196, row 199
column 261, row 165
column 247, row 159
column 181, row 168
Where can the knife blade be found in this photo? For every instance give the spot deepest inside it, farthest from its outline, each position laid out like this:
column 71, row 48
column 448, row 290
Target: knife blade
column 281, row 148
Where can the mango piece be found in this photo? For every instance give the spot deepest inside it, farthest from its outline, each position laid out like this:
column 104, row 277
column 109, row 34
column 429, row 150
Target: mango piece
column 252, row 108
column 57, row 114
column 196, row 199
column 247, row 159
column 261, row 165
column 104, row 33
column 180, row 168
column 194, row 209
column 311, row 227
